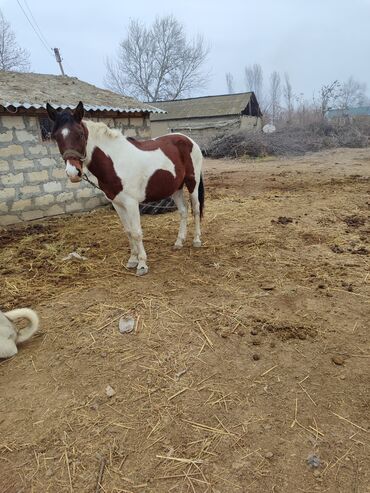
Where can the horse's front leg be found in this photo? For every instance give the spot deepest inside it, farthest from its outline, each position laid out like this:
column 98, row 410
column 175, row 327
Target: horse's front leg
column 133, row 260
column 133, row 218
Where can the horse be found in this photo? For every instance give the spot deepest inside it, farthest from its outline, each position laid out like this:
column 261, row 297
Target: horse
column 131, row 171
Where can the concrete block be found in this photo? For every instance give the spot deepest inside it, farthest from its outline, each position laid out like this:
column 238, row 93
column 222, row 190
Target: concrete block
column 25, row 136
column 75, row 206
column 144, row 133
column 59, row 173
column 11, row 179
column 32, row 123
column 23, row 164
column 84, row 193
column 130, row 132
column 13, row 121
column 6, row 136
column 11, row 150
column 54, row 210
column 30, row 190
column 37, row 176
column 52, row 186
column 136, row 121
column 4, row 207
column 93, row 202
column 21, row 205
column 44, row 200
column 7, row 193
column 47, row 162
column 64, row 197
column 9, row 219
column 30, row 215
column 37, row 150
column 4, row 167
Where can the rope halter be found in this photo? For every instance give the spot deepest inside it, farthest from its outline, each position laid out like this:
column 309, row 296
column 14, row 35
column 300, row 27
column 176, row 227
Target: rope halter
column 72, row 153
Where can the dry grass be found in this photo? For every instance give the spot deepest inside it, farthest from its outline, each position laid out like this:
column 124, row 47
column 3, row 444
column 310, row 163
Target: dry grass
column 227, row 383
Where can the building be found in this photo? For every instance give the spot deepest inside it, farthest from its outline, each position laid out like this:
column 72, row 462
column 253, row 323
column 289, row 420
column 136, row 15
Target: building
column 204, row 118
column 360, row 114
column 32, row 177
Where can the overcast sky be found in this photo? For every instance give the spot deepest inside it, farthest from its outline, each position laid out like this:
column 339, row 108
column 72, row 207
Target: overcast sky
column 314, row 41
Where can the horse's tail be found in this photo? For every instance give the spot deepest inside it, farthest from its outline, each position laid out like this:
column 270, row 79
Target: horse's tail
column 201, row 196
column 31, row 316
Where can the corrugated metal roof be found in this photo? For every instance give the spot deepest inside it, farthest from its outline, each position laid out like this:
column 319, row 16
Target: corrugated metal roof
column 208, row 106
column 87, row 107
column 33, row 91
column 359, row 111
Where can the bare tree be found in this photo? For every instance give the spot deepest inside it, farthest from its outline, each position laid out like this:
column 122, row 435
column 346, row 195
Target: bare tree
column 254, row 81
column 157, row 62
column 275, row 95
column 288, row 97
column 12, row 57
column 352, row 93
column 328, row 96
column 230, row 82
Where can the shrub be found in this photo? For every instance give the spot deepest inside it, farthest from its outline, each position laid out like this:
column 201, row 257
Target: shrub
column 289, row 140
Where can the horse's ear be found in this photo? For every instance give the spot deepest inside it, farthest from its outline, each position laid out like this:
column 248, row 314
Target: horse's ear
column 51, row 112
column 78, row 113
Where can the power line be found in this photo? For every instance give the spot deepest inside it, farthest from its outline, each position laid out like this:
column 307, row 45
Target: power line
column 36, row 23
column 40, row 35
column 37, row 34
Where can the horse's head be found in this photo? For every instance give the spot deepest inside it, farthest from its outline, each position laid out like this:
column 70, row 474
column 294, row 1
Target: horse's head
column 71, row 136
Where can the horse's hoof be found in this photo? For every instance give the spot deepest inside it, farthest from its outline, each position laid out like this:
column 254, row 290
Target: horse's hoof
column 197, row 243
column 142, row 271
column 177, row 246
column 132, row 264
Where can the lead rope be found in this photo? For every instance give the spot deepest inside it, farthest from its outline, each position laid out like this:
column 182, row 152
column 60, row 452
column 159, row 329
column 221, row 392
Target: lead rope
column 144, row 206
column 86, row 178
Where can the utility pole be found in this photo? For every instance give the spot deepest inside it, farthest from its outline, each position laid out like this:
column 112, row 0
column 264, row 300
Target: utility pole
column 59, row 60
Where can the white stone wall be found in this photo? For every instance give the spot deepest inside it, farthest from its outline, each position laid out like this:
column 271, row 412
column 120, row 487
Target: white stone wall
column 33, row 183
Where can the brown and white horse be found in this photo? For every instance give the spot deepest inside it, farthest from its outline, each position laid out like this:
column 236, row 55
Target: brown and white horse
column 131, row 171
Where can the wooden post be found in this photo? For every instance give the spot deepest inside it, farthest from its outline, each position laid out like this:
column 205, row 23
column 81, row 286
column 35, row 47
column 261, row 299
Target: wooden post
column 59, row 60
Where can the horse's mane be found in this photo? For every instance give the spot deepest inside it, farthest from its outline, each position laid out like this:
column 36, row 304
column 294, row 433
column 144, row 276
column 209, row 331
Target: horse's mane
column 101, row 129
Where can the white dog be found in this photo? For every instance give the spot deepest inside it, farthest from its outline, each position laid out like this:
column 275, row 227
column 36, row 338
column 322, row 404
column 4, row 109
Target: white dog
column 10, row 336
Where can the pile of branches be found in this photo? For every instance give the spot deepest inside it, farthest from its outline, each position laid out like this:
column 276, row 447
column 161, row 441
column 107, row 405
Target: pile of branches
column 289, row 140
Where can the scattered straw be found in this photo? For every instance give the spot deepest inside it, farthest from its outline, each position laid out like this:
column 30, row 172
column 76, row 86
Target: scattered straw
column 308, row 395
column 181, row 459
column 341, row 457
column 69, row 472
column 350, row 422
column 208, row 428
column 295, row 421
column 268, row 371
column 178, row 393
column 99, row 479
column 176, row 329
column 209, row 342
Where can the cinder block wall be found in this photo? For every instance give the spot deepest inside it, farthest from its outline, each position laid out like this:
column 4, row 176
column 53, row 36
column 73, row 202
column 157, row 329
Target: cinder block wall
column 203, row 130
column 33, row 183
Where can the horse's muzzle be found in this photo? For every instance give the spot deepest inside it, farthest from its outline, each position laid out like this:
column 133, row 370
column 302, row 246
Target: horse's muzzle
column 74, row 170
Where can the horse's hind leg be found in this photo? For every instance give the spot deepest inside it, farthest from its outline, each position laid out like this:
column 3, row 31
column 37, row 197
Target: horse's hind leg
column 196, row 213
column 179, row 200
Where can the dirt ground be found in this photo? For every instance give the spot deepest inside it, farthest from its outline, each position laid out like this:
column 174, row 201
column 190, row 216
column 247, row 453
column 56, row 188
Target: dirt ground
column 248, row 370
